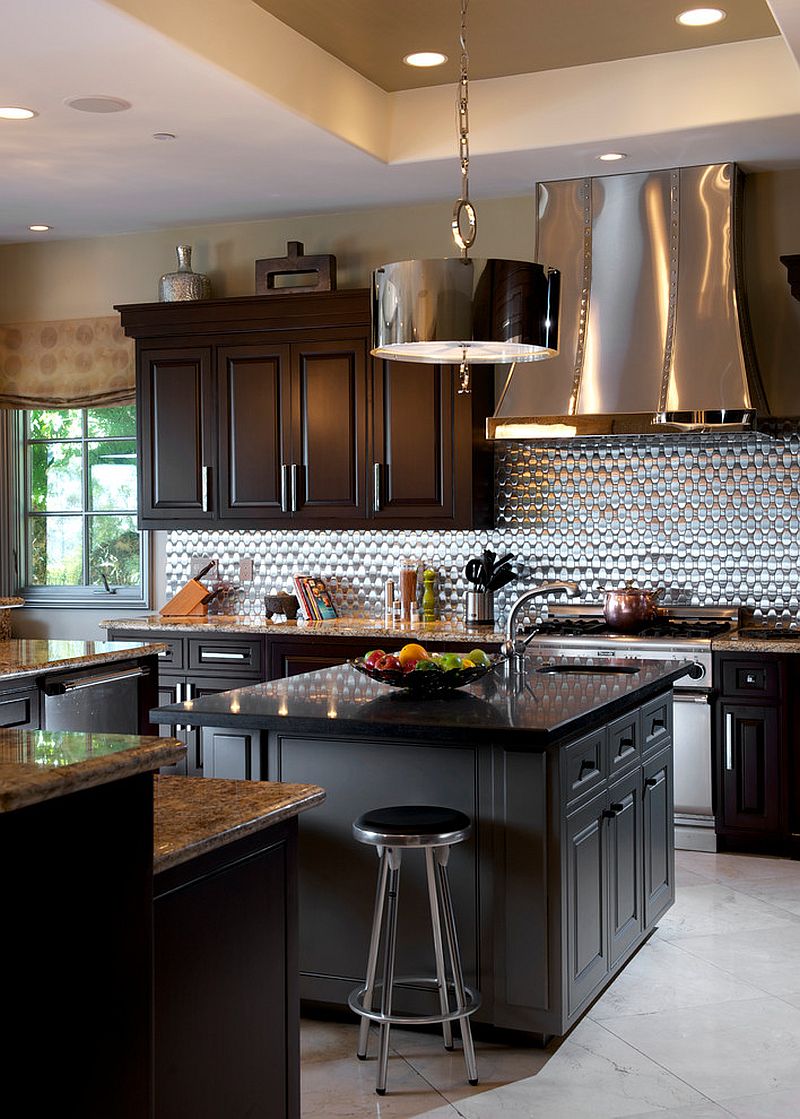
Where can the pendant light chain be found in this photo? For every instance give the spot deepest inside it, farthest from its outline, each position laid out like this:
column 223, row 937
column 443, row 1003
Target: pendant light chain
column 463, row 208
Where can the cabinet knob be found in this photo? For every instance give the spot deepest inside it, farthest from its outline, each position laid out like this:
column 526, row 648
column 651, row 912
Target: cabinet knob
column 613, row 810
column 650, row 782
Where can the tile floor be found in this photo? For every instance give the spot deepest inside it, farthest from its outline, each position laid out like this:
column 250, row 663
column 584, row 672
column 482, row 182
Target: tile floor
column 703, row 1023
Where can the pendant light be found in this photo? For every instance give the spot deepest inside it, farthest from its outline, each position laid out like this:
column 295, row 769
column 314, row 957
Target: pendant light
column 465, row 310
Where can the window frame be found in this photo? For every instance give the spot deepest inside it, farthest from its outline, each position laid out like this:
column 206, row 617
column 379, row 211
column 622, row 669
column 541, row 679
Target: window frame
column 76, row 596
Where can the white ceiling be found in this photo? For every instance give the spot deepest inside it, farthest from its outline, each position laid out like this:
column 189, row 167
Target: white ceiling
column 269, row 124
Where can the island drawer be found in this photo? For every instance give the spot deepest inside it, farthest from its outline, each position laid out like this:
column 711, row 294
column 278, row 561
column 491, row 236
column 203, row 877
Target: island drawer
column 172, row 657
column 624, row 743
column 240, row 655
column 20, row 709
column 584, row 765
column 656, row 723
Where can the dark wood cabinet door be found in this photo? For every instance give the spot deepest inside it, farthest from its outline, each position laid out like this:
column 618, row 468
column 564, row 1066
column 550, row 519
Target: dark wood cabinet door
column 172, row 690
column 328, row 462
column 750, row 766
column 254, row 424
column 625, row 872
column 658, row 824
column 412, row 442
column 176, row 436
column 587, row 905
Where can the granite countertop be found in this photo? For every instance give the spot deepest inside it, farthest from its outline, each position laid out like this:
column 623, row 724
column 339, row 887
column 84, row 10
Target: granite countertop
column 739, row 643
column 337, row 627
column 193, row 815
column 528, row 711
column 11, row 603
column 33, row 657
column 39, row 765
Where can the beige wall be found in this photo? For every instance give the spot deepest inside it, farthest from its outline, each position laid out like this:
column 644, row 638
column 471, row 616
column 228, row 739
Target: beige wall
column 62, row 279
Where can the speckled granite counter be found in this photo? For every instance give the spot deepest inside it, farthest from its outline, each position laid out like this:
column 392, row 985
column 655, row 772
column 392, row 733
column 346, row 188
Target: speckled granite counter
column 338, row 627
column 193, row 815
column 24, row 658
column 36, row 766
column 736, row 643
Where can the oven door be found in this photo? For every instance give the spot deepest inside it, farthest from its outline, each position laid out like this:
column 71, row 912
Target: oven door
column 692, row 746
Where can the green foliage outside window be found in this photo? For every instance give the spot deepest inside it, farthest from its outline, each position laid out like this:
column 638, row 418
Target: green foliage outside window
column 81, row 497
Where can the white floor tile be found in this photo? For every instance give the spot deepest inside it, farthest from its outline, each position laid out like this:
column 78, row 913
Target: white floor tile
column 768, row 958
column 662, row 977
column 716, row 908
column 701, row 1111
column 738, row 868
column 780, row 894
column 769, row 1105
column 733, row 1049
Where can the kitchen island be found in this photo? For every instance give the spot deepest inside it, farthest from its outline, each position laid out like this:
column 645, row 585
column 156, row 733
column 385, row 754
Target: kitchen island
column 566, row 770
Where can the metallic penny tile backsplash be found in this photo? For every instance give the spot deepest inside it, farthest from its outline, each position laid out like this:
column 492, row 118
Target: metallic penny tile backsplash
column 716, row 520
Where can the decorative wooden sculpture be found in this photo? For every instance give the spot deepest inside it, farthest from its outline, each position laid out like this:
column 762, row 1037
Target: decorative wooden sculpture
column 793, row 268
column 321, row 271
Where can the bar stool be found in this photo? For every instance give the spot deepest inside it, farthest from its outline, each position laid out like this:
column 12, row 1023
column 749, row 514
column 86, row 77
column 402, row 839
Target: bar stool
column 434, row 830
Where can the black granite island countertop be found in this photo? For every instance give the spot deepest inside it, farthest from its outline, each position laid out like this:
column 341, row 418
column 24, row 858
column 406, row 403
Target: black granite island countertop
column 531, row 709
column 567, row 777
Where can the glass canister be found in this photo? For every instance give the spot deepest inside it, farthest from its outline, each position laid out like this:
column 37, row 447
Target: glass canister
column 409, row 569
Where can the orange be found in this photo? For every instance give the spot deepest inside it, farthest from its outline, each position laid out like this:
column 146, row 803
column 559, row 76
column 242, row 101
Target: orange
column 412, row 653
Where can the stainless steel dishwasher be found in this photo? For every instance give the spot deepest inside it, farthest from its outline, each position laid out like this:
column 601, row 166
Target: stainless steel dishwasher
column 104, row 699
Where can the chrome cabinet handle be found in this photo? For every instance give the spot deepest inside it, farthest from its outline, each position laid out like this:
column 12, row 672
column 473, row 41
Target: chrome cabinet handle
column 205, row 473
column 376, row 487
column 728, row 740
column 222, row 656
column 179, row 699
column 294, row 487
column 63, row 687
column 284, row 488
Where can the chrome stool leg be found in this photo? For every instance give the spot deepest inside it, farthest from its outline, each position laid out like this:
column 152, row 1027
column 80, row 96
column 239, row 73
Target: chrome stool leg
column 436, row 927
column 393, row 857
column 372, row 958
column 442, row 854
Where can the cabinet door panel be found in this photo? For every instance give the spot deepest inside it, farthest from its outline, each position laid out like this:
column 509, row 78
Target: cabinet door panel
column 329, row 430
column 413, row 444
column 751, row 768
column 587, row 888
column 20, row 709
column 253, row 431
column 625, row 863
column 175, row 414
column 658, row 822
column 172, row 691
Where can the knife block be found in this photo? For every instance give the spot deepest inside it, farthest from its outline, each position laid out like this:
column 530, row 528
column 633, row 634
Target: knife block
column 187, row 602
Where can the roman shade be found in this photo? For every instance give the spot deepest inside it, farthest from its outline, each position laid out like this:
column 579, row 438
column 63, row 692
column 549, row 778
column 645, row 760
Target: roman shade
column 70, row 363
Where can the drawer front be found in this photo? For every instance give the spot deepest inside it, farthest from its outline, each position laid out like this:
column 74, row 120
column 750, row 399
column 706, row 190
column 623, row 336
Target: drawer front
column 624, row 743
column 756, row 677
column 232, row 656
column 584, row 765
column 172, row 657
column 20, row 709
column 656, row 724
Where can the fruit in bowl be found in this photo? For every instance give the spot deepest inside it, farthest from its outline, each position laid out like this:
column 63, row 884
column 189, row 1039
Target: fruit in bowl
column 424, row 673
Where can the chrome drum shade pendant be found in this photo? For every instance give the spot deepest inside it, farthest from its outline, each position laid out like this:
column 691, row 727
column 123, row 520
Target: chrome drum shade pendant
column 463, row 309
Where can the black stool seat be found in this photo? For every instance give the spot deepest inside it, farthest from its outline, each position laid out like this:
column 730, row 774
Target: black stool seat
column 412, row 825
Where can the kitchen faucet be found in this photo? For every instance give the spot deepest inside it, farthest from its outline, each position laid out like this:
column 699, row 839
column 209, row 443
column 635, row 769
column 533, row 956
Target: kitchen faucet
column 513, row 648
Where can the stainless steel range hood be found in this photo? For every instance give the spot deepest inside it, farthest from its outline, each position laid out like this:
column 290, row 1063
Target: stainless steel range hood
column 655, row 333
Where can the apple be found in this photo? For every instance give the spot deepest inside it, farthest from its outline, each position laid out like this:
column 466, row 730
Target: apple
column 373, row 656
column 388, row 663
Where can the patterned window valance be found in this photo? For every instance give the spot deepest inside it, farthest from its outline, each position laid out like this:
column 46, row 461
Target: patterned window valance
column 72, row 363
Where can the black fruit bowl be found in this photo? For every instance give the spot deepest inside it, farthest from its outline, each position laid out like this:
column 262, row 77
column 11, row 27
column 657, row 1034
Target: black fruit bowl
column 430, row 683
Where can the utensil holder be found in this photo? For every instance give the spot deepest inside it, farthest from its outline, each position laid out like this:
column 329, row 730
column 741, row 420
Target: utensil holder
column 479, row 608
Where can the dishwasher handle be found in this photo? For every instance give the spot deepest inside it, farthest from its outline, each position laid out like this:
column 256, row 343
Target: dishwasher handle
column 77, row 683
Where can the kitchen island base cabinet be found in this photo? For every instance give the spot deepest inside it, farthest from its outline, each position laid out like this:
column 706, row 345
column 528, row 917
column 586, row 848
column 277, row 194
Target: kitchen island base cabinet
column 554, row 891
column 226, row 1001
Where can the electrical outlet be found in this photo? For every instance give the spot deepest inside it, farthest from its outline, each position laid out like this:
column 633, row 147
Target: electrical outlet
column 245, row 570
column 199, row 562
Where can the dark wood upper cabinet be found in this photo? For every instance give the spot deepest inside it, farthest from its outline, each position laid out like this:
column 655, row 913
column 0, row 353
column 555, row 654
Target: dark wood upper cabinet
column 282, row 417
column 177, row 451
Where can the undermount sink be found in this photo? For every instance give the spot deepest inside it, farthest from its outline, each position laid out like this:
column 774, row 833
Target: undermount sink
column 588, row 669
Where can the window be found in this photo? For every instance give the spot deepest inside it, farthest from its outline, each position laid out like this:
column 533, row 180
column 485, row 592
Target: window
column 79, row 506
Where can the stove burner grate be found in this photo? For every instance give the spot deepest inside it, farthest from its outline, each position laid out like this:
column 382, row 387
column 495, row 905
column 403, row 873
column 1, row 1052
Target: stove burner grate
column 679, row 629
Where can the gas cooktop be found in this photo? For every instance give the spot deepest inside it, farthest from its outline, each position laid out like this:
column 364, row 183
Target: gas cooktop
column 590, row 625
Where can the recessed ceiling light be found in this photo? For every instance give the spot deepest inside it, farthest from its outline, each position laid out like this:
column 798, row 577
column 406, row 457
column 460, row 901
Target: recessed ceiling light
column 164, row 136
column 39, row 228
column 425, row 58
column 98, row 104
column 700, row 17
column 612, row 157
column 16, row 112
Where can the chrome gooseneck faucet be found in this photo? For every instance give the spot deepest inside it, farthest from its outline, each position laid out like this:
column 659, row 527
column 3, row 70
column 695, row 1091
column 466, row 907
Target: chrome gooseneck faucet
column 514, row 647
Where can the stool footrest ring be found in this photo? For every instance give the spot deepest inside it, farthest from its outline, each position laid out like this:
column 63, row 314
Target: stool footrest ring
column 355, row 1002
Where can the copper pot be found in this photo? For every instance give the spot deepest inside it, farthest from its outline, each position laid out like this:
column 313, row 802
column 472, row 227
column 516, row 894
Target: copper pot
column 630, row 608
